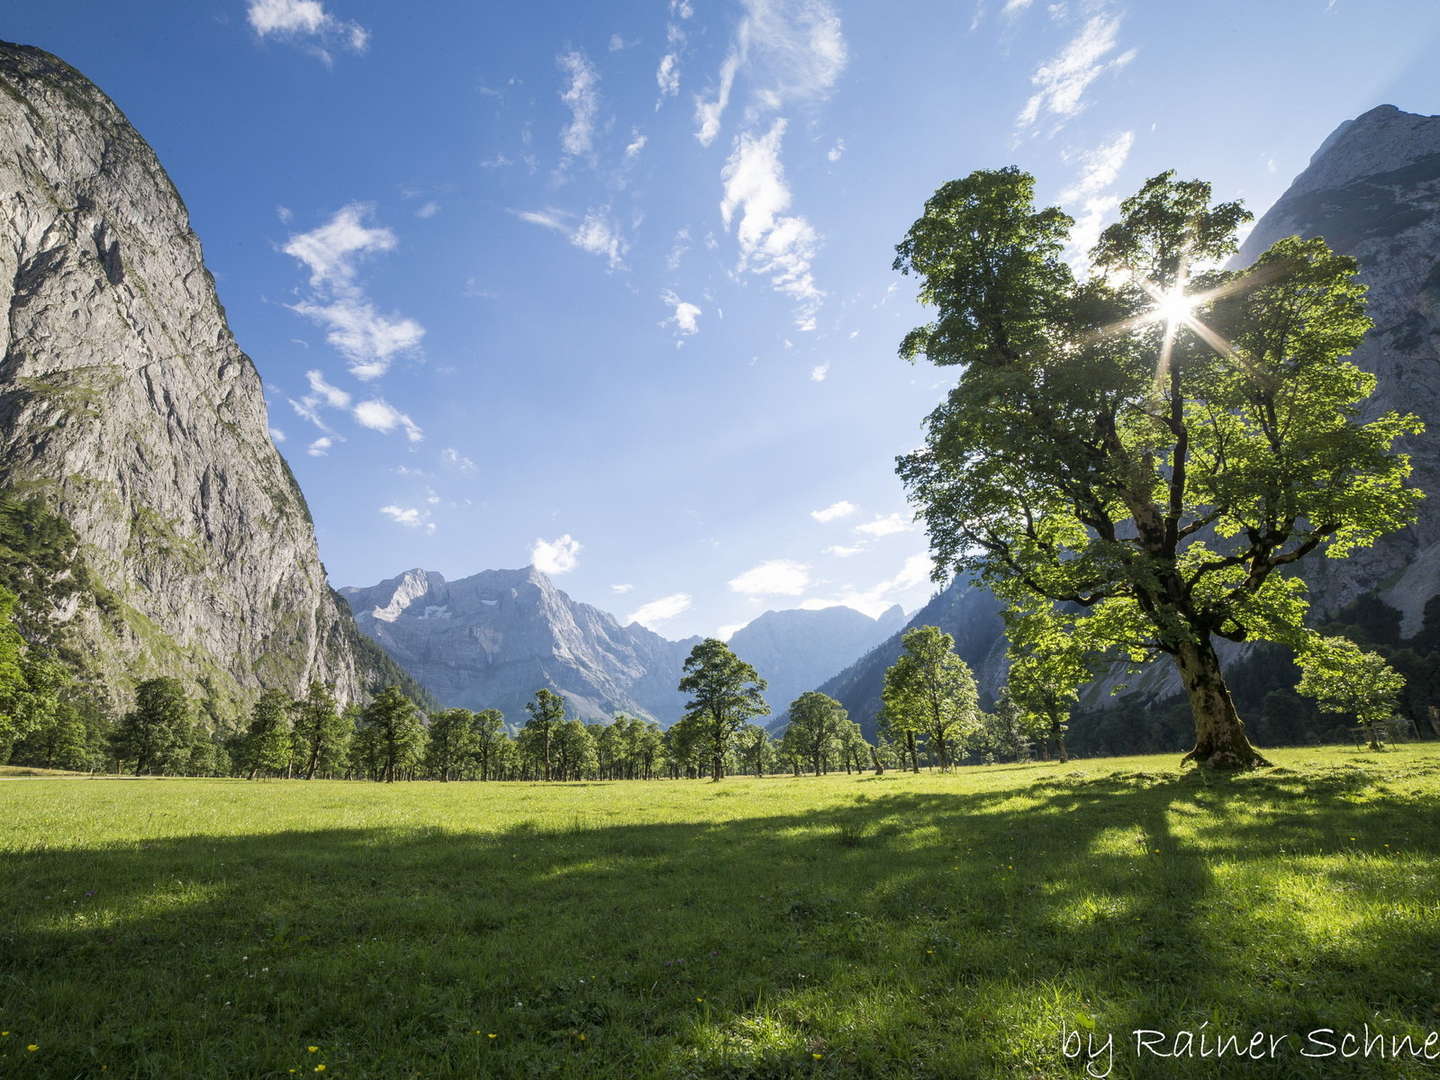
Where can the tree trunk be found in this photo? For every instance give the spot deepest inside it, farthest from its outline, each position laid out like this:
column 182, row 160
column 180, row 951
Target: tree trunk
column 1220, row 741
column 1059, row 735
column 875, row 757
column 914, row 758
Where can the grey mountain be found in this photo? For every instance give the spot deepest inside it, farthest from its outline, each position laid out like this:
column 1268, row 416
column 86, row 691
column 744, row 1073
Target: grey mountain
column 129, row 413
column 492, row 639
column 797, row 650
column 967, row 612
column 1372, row 190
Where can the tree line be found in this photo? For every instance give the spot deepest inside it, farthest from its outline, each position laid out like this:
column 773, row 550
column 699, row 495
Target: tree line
column 931, row 718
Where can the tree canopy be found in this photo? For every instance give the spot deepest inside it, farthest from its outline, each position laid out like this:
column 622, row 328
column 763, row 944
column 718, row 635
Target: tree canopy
column 725, row 692
column 1134, row 459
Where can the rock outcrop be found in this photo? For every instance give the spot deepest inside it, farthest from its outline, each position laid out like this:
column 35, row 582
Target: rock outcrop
column 1372, row 190
column 128, row 412
column 492, row 639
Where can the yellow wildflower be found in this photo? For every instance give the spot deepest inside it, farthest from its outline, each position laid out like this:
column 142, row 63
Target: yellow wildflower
column 312, row 1049
column 491, row 1035
column 33, row 1047
column 320, row 1067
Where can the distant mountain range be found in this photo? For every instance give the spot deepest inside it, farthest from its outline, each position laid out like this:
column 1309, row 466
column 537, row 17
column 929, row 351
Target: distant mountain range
column 492, row 639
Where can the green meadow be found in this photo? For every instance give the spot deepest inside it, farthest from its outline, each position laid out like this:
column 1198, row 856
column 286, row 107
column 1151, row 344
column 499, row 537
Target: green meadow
column 936, row 925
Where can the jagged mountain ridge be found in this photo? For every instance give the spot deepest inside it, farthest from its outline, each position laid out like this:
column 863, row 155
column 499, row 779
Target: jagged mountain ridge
column 492, row 639
column 797, row 650
column 128, row 411
column 1372, row 190
column 966, row 611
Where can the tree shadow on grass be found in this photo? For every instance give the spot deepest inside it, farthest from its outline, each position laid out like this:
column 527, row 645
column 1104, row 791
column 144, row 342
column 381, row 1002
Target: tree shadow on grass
column 905, row 934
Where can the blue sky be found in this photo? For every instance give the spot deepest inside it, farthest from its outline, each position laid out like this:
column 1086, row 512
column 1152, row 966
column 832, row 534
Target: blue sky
column 608, row 287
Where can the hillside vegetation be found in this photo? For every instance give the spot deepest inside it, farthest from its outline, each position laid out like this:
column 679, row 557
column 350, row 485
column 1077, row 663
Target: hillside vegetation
column 931, row 925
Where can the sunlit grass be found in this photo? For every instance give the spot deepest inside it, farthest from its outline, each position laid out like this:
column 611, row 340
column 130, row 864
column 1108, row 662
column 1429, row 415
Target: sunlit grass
column 851, row 925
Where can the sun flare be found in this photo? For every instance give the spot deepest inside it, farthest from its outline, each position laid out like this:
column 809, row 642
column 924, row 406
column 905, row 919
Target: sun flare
column 1173, row 307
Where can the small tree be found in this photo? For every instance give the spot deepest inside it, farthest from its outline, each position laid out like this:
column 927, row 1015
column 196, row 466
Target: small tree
column 322, row 734
column 547, row 713
column 487, row 730
column 725, row 692
column 451, row 743
column 1141, row 456
column 268, row 738
column 157, row 729
column 757, row 749
column 930, row 690
column 1346, row 679
column 818, row 721
column 395, row 735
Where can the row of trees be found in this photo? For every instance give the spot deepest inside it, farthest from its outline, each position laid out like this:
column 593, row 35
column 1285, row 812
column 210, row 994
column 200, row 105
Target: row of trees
column 931, row 714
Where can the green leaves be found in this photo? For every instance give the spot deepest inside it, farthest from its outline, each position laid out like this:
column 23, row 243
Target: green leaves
column 724, row 692
column 1144, row 473
column 930, row 690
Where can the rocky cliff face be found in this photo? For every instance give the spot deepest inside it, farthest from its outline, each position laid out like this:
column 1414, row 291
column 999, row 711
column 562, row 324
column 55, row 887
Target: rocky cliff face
column 1372, row 190
column 128, row 411
column 797, row 650
column 491, row 640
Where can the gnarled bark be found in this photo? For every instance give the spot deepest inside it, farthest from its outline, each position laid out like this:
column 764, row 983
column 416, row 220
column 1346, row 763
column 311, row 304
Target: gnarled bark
column 1220, row 741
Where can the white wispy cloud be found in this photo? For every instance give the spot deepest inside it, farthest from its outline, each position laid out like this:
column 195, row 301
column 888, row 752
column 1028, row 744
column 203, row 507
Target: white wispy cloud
column 621, row 589
column 678, row 247
column 772, row 243
column 330, row 395
column 1098, row 170
column 457, row 460
column 582, row 95
column 887, row 525
column 320, row 447
column 836, row 152
column 777, row 577
column 819, row 372
column 883, row 594
column 558, row 556
column 306, row 23
column 1061, row 82
column 333, row 251
column 381, row 416
column 599, row 235
column 368, row 340
column 428, row 210
column 842, row 551
column 659, row 611
column 277, row 435
column 835, row 511
column 597, row 232
column 725, row 633
column 791, row 50
column 667, row 75
column 1099, row 167
column 708, row 113
column 636, row 144
column 410, row 516
column 684, row 316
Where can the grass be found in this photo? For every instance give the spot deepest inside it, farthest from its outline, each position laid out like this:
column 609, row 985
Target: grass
column 931, row 926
